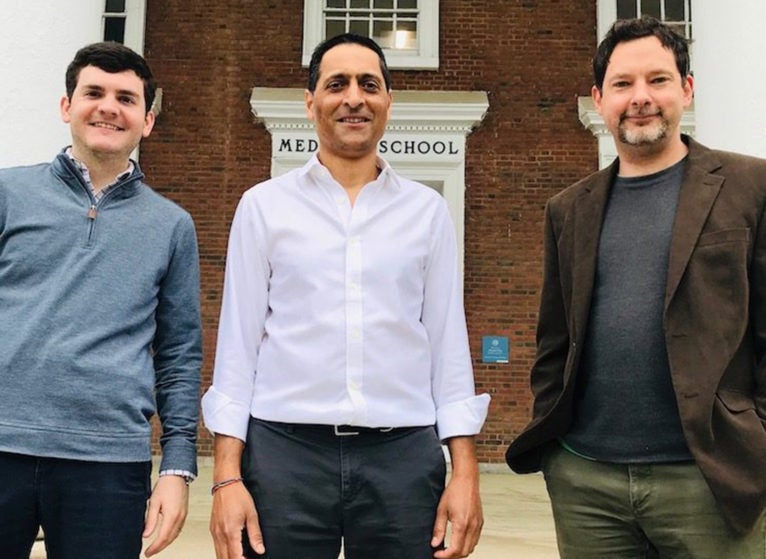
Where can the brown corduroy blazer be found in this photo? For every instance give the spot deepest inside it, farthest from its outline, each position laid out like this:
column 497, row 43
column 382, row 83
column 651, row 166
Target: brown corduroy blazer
column 714, row 321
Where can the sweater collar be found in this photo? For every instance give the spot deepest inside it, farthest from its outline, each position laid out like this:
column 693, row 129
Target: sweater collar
column 67, row 169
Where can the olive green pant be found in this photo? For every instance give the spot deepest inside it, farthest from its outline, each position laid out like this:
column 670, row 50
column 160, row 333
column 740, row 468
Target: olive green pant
column 640, row 511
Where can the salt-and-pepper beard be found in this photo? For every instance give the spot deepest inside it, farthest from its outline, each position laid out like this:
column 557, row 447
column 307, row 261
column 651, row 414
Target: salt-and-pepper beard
column 643, row 135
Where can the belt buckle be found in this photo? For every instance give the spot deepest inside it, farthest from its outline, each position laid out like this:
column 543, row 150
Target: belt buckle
column 339, row 433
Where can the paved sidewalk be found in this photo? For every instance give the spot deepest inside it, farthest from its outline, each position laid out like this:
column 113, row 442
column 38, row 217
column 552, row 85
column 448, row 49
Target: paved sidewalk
column 517, row 521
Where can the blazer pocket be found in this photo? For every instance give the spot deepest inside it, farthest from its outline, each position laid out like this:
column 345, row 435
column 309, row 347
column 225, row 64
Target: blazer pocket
column 717, row 279
column 736, row 402
column 744, row 415
column 724, row 236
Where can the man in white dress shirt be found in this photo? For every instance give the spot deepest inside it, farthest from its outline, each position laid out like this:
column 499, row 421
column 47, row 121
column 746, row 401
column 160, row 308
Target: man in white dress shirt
column 343, row 357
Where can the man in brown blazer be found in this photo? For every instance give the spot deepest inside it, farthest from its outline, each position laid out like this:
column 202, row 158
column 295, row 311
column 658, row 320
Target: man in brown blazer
column 649, row 418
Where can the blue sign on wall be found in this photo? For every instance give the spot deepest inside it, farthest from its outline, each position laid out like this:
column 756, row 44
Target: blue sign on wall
column 494, row 349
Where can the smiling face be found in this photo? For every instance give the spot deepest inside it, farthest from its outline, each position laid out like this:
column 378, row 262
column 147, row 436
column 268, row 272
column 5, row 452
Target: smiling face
column 106, row 114
column 350, row 105
column 643, row 96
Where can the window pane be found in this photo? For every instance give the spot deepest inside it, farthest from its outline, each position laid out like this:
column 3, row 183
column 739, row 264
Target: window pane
column 626, row 9
column 406, row 35
column 334, row 27
column 360, row 28
column 674, row 10
column 113, row 6
column 394, row 24
column 651, row 8
column 383, row 33
column 114, row 29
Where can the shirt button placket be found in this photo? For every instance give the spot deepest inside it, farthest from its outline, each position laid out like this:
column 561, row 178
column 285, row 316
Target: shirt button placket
column 354, row 326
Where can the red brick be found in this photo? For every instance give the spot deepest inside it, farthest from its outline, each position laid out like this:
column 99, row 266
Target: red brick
column 532, row 57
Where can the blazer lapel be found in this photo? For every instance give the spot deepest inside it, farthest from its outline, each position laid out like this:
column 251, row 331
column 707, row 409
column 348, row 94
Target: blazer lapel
column 588, row 216
column 698, row 193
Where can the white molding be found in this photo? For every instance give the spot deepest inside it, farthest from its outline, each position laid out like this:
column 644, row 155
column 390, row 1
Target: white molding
column 135, row 30
column 589, row 117
column 606, row 14
column 135, row 24
column 425, row 111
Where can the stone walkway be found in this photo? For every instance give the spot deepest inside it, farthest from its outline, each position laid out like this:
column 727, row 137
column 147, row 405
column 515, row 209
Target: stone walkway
column 517, row 520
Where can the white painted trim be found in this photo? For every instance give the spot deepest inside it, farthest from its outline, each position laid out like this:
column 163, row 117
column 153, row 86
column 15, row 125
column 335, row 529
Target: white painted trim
column 455, row 111
column 606, row 14
column 135, row 24
column 135, row 29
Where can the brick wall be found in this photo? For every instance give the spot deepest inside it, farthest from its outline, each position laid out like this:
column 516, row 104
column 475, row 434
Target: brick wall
column 532, row 57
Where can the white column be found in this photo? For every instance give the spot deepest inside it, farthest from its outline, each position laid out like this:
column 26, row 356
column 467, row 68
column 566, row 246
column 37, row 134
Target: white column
column 729, row 55
column 37, row 40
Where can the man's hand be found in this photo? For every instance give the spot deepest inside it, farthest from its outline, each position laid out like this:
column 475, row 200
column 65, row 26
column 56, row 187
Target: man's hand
column 460, row 505
column 233, row 506
column 234, row 509
column 166, row 512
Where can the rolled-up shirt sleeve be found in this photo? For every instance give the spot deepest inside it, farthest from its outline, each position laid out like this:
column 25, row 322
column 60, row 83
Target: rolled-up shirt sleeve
column 226, row 405
column 459, row 411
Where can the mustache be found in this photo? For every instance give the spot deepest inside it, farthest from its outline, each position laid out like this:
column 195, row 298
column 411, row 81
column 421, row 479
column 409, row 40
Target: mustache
column 643, row 111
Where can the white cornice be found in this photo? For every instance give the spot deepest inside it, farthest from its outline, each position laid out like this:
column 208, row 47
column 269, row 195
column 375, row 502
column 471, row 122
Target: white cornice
column 429, row 111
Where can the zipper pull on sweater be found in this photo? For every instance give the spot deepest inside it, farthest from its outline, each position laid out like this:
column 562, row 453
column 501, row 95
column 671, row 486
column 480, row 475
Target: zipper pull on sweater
column 92, row 212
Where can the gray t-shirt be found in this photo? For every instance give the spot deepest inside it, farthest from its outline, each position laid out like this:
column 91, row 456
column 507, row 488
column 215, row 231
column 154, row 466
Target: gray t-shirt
column 626, row 410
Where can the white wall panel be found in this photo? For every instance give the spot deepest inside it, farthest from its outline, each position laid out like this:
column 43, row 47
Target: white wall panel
column 38, row 38
column 729, row 52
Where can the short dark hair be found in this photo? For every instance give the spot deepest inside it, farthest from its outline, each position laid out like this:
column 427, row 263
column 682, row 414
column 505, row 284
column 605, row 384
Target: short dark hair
column 111, row 57
column 344, row 39
column 625, row 30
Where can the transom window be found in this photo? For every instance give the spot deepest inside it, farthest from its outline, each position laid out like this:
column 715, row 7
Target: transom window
column 676, row 13
column 407, row 30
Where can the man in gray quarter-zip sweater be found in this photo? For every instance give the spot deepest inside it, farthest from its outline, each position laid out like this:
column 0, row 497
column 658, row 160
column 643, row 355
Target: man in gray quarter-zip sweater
column 99, row 328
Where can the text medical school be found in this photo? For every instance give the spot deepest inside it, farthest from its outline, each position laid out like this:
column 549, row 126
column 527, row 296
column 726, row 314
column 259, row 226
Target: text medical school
column 397, row 147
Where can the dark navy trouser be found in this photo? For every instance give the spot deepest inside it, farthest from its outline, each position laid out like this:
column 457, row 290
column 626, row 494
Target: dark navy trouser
column 376, row 491
column 88, row 510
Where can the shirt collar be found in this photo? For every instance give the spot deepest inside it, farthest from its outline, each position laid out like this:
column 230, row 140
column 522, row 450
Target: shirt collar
column 314, row 168
column 86, row 173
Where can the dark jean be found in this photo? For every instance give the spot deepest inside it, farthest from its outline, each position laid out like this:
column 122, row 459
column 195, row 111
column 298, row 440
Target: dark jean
column 377, row 492
column 87, row 510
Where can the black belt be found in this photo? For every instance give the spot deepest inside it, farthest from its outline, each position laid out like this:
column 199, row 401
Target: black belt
column 338, row 430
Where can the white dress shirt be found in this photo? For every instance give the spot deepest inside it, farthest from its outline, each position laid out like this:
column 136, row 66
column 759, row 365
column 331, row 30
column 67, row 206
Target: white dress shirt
column 343, row 315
